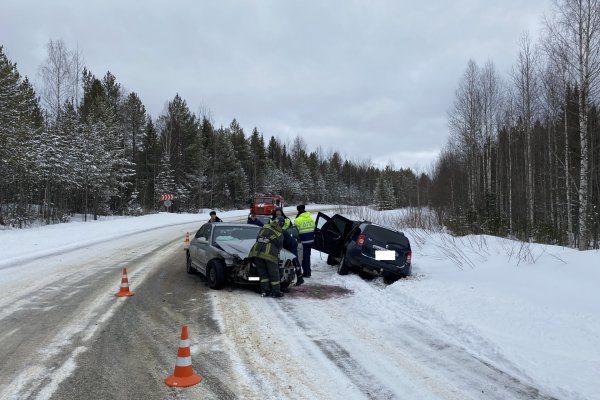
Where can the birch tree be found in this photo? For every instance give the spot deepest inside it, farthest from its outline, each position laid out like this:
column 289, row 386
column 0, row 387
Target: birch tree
column 527, row 87
column 575, row 27
column 465, row 123
column 57, row 81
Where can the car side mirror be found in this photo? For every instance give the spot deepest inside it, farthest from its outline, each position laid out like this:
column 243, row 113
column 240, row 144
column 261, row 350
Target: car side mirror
column 202, row 239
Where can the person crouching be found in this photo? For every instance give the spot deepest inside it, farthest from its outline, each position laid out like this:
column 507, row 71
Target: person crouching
column 265, row 253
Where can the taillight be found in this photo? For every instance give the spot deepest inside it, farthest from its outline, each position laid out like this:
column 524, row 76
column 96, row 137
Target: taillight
column 360, row 240
column 408, row 257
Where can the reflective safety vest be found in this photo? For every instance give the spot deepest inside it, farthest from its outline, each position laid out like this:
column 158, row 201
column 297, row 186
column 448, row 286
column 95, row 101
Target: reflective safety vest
column 286, row 222
column 268, row 243
column 306, row 227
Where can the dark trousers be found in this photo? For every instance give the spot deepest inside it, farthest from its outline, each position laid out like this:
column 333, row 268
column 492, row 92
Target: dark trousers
column 306, row 248
column 269, row 276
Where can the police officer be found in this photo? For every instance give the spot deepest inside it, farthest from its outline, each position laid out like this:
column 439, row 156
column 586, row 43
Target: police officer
column 265, row 252
column 306, row 227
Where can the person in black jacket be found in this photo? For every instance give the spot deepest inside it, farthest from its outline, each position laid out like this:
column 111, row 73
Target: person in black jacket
column 253, row 220
column 214, row 218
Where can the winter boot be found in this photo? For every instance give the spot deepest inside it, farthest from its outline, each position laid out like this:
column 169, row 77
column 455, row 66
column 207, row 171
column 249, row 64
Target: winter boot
column 277, row 294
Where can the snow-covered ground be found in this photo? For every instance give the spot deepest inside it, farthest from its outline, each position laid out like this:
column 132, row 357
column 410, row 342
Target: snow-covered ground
column 530, row 310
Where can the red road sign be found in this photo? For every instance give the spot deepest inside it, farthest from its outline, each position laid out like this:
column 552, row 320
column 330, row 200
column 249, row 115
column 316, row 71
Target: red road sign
column 164, row 197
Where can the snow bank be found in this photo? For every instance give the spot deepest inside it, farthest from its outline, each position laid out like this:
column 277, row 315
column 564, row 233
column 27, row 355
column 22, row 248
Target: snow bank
column 529, row 309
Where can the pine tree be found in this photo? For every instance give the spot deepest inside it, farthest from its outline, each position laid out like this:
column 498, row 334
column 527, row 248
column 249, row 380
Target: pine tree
column 165, row 180
column 149, row 163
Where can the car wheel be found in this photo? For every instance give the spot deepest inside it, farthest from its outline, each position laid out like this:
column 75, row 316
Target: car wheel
column 286, row 281
column 216, row 274
column 343, row 267
column 188, row 264
column 390, row 279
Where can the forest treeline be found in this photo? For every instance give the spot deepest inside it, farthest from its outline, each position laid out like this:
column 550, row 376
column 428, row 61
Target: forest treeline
column 523, row 158
column 85, row 145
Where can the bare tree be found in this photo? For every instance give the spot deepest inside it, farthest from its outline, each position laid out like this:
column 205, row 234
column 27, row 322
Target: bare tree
column 76, row 71
column 556, row 83
column 56, row 78
column 575, row 28
column 465, row 120
column 526, row 84
column 491, row 99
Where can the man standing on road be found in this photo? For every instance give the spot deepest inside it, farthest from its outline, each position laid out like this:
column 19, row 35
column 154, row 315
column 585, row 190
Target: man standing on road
column 214, row 218
column 306, row 228
column 266, row 257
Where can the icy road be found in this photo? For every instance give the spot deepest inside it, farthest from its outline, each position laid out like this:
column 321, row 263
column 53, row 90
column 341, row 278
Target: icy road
column 64, row 335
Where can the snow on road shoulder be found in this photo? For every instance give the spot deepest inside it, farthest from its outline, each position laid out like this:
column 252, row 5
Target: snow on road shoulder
column 528, row 309
column 20, row 245
column 24, row 244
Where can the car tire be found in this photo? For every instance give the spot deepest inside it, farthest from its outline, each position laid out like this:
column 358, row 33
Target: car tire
column 389, row 279
column 285, row 284
column 189, row 268
column 215, row 274
column 343, row 267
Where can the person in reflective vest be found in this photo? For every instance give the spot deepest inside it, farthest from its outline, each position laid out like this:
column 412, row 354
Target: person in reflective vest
column 306, row 228
column 265, row 253
column 278, row 213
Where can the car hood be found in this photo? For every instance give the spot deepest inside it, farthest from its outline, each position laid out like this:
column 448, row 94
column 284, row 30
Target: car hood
column 242, row 248
column 239, row 247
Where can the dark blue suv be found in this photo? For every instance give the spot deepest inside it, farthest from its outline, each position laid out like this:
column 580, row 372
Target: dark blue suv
column 363, row 246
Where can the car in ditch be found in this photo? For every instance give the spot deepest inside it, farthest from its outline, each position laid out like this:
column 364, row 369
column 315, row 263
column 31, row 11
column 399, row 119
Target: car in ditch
column 363, row 246
column 219, row 251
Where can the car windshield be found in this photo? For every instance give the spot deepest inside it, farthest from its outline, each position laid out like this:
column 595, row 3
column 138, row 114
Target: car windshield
column 226, row 233
column 264, row 200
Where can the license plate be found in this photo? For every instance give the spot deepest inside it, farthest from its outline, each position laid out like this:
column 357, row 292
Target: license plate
column 385, row 255
column 254, row 278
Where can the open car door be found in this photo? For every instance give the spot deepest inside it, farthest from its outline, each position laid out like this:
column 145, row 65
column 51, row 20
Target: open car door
column 331, row 233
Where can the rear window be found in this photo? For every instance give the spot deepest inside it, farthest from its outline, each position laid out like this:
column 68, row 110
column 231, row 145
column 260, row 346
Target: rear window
column 385, row 235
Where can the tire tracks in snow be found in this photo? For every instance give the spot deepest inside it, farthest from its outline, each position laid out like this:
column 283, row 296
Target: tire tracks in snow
column 404, row 342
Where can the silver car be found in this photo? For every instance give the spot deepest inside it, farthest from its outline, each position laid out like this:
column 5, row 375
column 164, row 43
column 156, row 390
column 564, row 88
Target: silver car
column 220, row 251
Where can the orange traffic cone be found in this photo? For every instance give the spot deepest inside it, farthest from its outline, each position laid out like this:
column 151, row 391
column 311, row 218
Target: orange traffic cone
column 124, row 290
column 184, row 375
column 186, row 242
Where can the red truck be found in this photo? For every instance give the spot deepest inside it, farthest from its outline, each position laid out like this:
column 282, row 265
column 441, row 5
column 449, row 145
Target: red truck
column 264, row 204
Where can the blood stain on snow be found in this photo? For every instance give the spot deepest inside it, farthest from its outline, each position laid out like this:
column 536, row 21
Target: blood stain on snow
column 319, row 291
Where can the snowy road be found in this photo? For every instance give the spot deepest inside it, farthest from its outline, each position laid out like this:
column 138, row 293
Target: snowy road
column 63, row 334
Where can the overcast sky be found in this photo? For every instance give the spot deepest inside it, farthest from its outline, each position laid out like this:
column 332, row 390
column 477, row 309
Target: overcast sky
column 372, row 79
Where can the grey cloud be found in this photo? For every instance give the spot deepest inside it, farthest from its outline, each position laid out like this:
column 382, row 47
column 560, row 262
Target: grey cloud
column 348, row 75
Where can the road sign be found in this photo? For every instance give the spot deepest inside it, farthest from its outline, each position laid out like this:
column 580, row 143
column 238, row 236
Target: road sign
column 168, row 203
column 164, row 197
